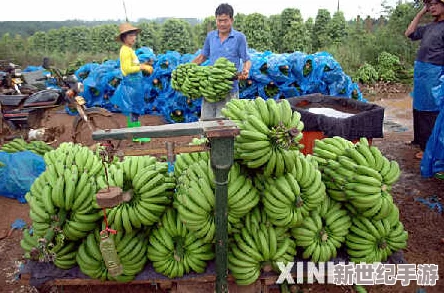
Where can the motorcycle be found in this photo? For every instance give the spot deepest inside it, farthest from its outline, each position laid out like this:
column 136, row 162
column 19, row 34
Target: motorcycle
column 23, row 111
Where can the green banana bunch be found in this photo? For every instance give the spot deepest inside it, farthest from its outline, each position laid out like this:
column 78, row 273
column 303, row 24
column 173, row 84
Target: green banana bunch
column 330, row 148
column 235, row 110
column 269, row 134
column 131, row 250
column 375, row 240
column 16, row 145
column 195, row 198
column 147, row 182
column 19, row 145
column 357, row 174
column 185, row 159
column 61, row 198
column 62, row 252
column 323, row 232
column 288, row 199
column 174, row 250
column 211, row 82
column 257, row 216
column 251, row 252
column 242, row 194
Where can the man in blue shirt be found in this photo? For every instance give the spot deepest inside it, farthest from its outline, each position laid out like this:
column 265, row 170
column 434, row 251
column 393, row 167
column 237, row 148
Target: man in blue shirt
column 231, row 44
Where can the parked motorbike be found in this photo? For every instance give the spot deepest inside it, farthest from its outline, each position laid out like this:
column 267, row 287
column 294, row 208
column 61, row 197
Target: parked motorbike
column 21, row 111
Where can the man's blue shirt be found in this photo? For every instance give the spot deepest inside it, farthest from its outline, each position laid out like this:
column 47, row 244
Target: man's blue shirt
column 234, row 48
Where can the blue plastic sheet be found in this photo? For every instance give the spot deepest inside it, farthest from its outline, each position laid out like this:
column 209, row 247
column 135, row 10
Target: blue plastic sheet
column 85, row 70
column 18, row 173
column 433, row 157
column 425, row 77
column 146, row 55
column 104, row 85
column 279, row 69
column 129, row 95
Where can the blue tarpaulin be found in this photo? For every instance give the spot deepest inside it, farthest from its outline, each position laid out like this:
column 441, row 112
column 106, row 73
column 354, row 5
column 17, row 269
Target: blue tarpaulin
column 433, row 158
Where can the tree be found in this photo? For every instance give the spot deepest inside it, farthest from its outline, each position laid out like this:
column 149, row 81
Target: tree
column 258, row 32
column 78, row 39
column 320, row 37
column 202, row 29
column 337, row 28
column 296, row 39
column 275, row 24
column 309, row 25
column 176, row 36
column 295, row 34
column 103, row 39
column 149, row 36
column 239, row 22
column 38, row 42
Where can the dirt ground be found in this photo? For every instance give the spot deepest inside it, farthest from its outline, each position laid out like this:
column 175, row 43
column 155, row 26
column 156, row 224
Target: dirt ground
column 425, row 226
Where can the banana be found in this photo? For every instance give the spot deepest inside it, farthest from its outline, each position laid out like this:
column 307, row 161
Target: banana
column 253, row 135
column 367, row 180
column 355, row 155
column 378, row 158
column 261, row 106
column 274, row 113
column 362, row 188
column 364, row 149
column 393, row 174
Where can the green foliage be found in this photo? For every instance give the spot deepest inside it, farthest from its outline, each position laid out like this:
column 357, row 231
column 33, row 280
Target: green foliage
column 387, row 66
column 296, row 39
column 320, row 37
column 176, row 35
column 295, row 36
column 149, row 36
column 239, row 22
column 257, row 31
column 337, row 28
column 275, row 24
column 367, row 74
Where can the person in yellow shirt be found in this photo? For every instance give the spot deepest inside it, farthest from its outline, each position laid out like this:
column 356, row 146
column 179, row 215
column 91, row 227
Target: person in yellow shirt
column 129, row 96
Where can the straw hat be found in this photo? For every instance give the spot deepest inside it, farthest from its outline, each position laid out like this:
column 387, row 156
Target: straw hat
column 126, row 27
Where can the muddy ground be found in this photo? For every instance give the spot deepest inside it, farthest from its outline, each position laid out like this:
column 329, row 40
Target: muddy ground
column 425, row 226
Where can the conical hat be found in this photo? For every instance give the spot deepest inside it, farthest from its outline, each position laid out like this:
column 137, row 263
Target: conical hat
column 126, row 27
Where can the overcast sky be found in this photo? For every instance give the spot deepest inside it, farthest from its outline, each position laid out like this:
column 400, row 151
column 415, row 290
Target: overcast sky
column 42, row 10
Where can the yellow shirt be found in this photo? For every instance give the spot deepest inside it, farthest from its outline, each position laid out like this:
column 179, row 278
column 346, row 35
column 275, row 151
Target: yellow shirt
column 128, row 61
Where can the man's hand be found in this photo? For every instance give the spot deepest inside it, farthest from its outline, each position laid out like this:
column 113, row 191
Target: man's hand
column 244, row 74
column 147, row 68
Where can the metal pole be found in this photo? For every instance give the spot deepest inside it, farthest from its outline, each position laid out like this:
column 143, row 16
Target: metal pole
column 222, row 157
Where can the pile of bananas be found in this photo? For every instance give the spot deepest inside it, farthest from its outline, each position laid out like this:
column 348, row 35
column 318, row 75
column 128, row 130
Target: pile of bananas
column 358, row 174
column 269, row 134
column 373, row 241
column 131, row 250
column 148, row 189
column 252, row 251
column 195, row 198
column 289, row 198
column 211, row 82
column 19, row 145
column 174, row 250
column 323, row 232
column 61, row 200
